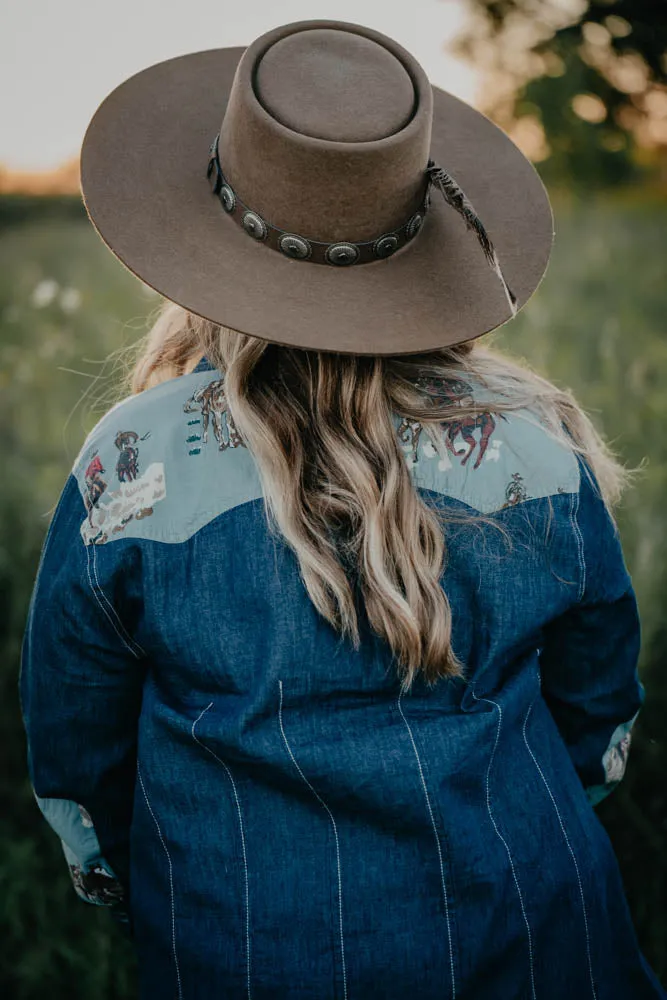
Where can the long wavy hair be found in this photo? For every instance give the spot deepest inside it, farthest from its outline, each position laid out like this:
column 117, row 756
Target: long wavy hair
column 335, row 479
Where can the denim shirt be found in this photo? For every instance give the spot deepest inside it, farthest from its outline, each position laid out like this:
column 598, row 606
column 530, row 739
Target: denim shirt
column 256, row 801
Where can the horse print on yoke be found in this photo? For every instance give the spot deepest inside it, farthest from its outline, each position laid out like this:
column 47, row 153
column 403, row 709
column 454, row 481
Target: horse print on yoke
column 211, row 401
column 459, row 393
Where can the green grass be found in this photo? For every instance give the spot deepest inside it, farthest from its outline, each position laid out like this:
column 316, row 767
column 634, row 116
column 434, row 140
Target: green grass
column 597, row 326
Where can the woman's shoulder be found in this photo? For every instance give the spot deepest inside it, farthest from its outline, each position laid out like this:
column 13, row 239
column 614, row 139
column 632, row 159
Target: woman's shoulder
column 494, row 459
column 157, row 464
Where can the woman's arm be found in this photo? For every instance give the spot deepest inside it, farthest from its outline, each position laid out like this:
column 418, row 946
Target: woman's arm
column 80, row 687
column 589, row 658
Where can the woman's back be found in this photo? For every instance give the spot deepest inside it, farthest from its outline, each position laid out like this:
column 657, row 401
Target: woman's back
column 299, row 827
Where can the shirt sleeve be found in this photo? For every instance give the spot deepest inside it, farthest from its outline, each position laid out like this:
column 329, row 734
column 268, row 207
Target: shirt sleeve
column 589, row 658
column 80, row 687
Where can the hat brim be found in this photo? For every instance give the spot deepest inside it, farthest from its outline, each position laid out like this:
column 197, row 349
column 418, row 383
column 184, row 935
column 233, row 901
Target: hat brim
column 144, row 185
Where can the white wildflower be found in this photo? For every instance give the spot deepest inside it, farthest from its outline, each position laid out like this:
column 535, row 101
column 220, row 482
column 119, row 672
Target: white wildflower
column 70, row 299
column 44, row 292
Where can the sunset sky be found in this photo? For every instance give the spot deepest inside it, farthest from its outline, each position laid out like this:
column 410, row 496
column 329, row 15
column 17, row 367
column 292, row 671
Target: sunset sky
column 58, row 61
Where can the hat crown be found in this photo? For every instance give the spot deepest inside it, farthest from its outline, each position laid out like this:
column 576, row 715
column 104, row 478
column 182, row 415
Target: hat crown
column 327, row 131
column 335, row 85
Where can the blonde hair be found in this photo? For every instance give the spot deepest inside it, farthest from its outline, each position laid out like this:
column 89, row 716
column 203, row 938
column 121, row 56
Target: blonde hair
column 319, row 426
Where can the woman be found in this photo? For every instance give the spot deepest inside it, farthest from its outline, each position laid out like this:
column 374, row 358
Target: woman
column 332, row 648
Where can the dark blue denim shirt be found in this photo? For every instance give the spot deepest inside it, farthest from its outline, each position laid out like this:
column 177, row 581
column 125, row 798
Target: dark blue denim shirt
column 256, row 801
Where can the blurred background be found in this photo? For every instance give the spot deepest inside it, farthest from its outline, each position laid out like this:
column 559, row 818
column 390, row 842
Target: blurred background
column 581, row 87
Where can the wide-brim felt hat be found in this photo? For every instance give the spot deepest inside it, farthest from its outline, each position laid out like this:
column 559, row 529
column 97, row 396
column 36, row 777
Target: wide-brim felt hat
column 291, row 190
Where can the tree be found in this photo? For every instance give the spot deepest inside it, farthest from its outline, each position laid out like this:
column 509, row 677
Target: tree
column 583, row 82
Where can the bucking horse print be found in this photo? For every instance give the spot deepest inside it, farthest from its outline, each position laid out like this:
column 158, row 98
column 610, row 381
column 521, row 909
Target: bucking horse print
column 211, row 401
column 461, row 394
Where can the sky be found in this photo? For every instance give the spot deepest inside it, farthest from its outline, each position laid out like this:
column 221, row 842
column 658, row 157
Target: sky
column 60, row 58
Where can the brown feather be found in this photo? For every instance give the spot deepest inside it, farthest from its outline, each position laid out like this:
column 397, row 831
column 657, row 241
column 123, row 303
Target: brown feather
column 456, row 197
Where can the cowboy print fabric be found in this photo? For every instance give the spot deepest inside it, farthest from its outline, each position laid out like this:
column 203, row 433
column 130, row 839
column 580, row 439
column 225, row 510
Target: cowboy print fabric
column 134, row 497
column 497, row 443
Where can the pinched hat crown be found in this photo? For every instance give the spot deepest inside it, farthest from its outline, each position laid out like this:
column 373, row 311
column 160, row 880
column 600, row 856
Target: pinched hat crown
column 327, row 132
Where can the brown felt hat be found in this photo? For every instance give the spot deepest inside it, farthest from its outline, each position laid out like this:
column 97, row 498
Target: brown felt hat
column 315, row 190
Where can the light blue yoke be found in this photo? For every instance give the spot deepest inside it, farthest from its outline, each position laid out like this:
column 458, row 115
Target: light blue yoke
column 183, row 481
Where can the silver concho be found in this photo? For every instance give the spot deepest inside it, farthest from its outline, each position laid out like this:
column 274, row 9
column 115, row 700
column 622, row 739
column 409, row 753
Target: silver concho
column 295, row 246
column 254, row 226
column 342, row 253
column 227, row 197
column 384, row 246
column 414, row 225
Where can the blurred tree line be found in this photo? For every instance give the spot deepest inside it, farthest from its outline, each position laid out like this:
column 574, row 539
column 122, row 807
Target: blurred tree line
column 589, row 76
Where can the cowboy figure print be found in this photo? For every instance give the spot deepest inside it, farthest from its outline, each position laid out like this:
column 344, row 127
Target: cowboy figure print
column 127, row 466
column 95, row 485
column 211, row 401
column 133, row 499
column 515, row 491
